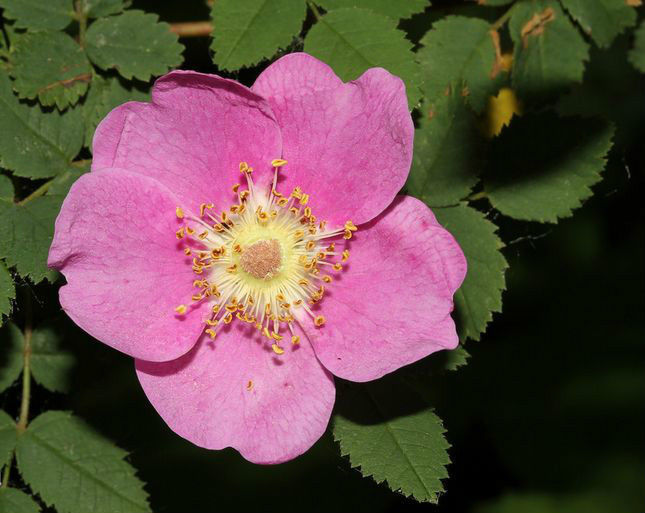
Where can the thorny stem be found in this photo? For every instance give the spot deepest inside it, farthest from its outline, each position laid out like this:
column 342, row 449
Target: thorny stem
column 192, row 28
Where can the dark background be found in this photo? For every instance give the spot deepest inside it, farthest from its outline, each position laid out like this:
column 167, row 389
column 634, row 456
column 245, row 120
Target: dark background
column 546, row 416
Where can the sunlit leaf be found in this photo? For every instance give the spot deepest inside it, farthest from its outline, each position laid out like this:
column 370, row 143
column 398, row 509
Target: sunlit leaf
column 39, row 14
column 394, row 10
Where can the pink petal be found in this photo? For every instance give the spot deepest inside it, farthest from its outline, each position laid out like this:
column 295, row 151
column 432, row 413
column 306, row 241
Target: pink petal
column 391, row 305
column 205, row 395
column 192, row 136
column 348, row 145
column 115, row 243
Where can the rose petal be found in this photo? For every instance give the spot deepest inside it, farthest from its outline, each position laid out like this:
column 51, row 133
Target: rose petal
column 115, row 243
column 391, row 305
column 348, row 145
column 206, row 396
column 192, row 136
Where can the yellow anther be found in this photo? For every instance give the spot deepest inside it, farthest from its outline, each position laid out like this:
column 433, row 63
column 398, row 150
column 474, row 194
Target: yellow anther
column 276, row 336
column 197, row 297
column 322, row 225
column 276, row 193
column 198, row 283
column 181, row 309
column 337, row 267
column 244, row 168
column 298, row 234
column 303, row 282
column 350, row 226
column 244, row 194
column 267, row 309
column 236, row 187
column 187, row 251
column 310, row 245
column 203, row 235
column 211, row 333
column 189, row 230
column 179, row 212
column 326, row 279
column 347, row 235
column 249, row 385
column 218, row 227
column 277, row 349
column 278, row 162
column 202, row 207
column 331, row 247
column 216, row 308
column 180, row 233
column 211, row 322
column 263, row 216
column 319, row 320
column 228, row 318
column 295, row 340
column 304, row 199
column 237, row 248
column 307, row 211
column 232, row 269
column 345, row 255
column 282, row 202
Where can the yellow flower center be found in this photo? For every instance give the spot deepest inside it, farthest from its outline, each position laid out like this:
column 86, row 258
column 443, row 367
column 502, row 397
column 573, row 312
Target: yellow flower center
column 261, row 261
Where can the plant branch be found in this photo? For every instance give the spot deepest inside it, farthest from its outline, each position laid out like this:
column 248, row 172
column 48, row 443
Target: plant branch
column 26, row 369
column 192, row 28
column 314, row 10
column 499, row 23
column 81, row 17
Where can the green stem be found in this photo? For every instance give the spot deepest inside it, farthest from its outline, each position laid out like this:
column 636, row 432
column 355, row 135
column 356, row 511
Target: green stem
column 6, row 473
column 477, row 196
column 502, row 19
column 314, row 10
column 38, row 192
column 26, row 369
column 81, row 17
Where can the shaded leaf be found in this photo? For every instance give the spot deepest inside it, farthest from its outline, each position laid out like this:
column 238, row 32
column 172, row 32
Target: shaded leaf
column 26, row 231
column 459, row 50
column 11, row 359
column 7, row 290
column 549, row 52
column 39, row 14
column 33, row 143
column 354, row 40
column 481, row 292
column 603, row 20
column 98, row 8
column 75, row 469
column 637, row 54
column 135, row 43
column 50, row 66
column 394, row 10
column 51, row 361
column 244, row 33
column 8, row 438
column 394, row 440
column 16, row 501
column 542, row 166
column 447, row 152
column 105, row 95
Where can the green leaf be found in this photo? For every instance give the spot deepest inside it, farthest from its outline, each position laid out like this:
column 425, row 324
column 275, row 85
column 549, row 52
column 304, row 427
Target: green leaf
column 542, row 166
column 459, row 50
column 99, row 8
column 75, row 469
column 8, row 437
column 15, row 501
column 481, row 293
column 549, row 53
column 11, row 358
column 135, row 43
column 603, row 20
column 26, row 231
column 447, row 152
column 494, row 3
column 393, row 439
column 456, row 358
column 50, row 66
column 394, row 10
column 354, row 40
column 246, row 32
column 33, row 143
column 7, row 290
column 637, row 54
column 39, row 14
column 51, row 362
column 105, row 95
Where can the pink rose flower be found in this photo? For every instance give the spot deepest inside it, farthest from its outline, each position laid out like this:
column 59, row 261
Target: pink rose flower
column 246, row 245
